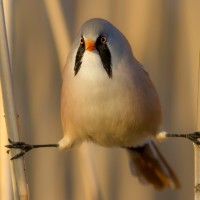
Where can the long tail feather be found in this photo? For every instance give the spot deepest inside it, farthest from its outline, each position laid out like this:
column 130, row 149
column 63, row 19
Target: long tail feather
column 148, row 164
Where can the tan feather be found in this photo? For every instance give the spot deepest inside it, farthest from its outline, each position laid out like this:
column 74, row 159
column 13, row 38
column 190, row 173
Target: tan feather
column 148, row 164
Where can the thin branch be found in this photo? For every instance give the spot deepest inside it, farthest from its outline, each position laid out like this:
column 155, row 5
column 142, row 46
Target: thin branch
column 5, row 171
column 197, row 147
column 9, row 108
column 87, row 169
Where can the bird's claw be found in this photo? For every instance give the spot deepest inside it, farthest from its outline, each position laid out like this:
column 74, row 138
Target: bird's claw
column 18, row 145
column 194, row 137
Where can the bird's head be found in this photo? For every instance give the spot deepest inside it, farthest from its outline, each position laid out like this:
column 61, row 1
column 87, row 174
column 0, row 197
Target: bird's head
column 98, row 36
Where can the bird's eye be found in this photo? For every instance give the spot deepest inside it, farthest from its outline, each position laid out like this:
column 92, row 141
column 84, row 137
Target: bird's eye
column 82, row 40
column 103, row 39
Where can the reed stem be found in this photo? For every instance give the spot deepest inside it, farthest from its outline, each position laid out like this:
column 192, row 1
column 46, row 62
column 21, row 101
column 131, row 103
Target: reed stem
column 21, row 191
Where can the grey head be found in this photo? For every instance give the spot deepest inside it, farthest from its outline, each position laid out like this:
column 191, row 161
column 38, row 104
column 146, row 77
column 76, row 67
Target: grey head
column 103, row 38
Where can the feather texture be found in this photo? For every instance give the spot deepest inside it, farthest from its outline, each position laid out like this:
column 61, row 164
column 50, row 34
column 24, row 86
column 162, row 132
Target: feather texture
column 149, row 166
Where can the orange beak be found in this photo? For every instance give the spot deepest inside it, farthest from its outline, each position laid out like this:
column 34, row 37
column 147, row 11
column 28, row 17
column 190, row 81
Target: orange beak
column 90, row 45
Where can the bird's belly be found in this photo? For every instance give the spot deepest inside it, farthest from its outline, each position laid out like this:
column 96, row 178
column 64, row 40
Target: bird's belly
column 106, row 119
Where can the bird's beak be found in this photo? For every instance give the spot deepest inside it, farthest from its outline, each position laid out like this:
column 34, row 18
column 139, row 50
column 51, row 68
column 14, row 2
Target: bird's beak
column 90, row 45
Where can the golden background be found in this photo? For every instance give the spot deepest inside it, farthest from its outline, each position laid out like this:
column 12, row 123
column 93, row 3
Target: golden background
column 165, row 38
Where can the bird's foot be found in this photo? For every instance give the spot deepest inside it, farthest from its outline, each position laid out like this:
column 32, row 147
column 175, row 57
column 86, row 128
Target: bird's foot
column 19, row 145
column 194, row 137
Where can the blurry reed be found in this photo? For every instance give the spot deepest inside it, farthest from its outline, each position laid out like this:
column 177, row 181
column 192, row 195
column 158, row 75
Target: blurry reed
column 20, row 188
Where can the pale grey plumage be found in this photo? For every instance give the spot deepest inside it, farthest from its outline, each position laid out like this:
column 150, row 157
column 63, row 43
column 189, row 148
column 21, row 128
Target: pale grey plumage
column 120, row 111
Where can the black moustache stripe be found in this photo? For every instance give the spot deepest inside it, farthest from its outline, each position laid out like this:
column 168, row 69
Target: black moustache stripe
column 105, row 56
column 78, row 59
column 104, row 53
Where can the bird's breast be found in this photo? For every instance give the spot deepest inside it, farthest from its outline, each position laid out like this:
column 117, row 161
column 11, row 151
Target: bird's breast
column 108, row 111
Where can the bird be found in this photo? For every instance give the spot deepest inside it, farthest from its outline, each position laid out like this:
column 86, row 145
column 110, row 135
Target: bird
column 109, row 99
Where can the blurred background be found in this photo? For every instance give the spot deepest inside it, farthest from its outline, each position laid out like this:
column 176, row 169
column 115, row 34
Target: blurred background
column 165, row 38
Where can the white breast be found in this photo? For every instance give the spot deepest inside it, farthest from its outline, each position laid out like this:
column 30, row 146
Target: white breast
column 108, row 111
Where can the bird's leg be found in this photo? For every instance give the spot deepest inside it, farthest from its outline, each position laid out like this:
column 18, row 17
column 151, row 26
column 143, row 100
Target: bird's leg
column 194, row 137
column 25, row 147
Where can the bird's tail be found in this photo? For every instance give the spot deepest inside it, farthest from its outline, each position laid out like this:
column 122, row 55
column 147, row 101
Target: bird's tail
column 149, row 166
